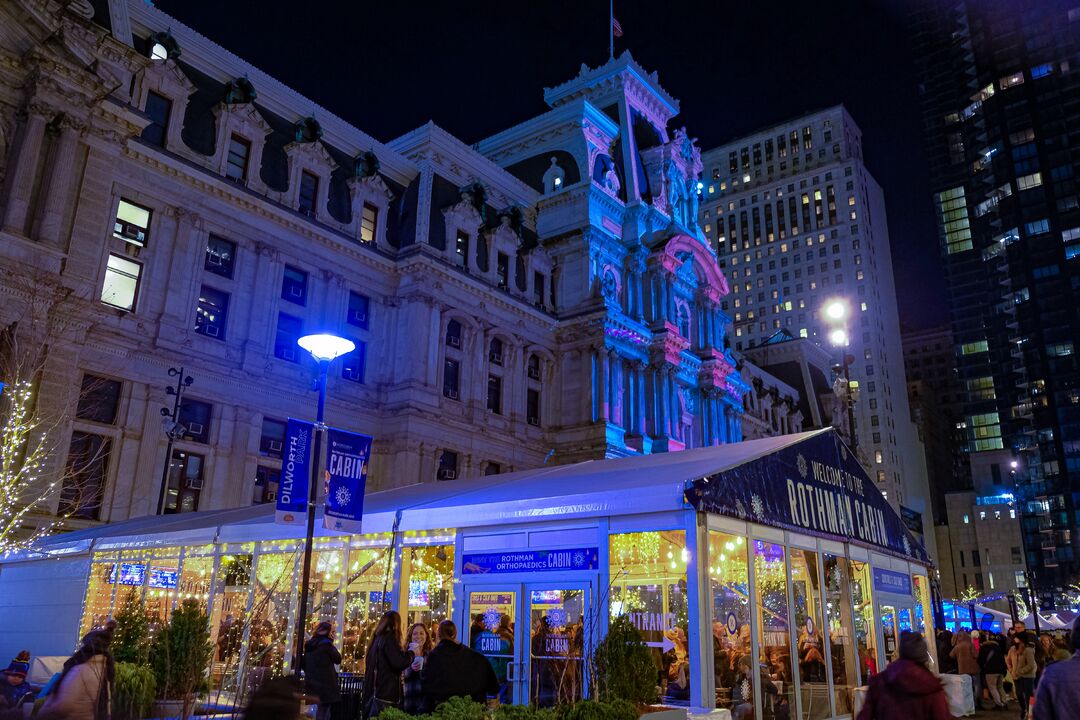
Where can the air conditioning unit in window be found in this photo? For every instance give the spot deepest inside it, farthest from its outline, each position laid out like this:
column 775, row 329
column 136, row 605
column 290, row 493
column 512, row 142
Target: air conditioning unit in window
column 495, row 358
column 351, row 374
column 274, row 446
column 453, row 341
column 211, row 330
column 452, row 394
column 195, row 428
column 194, row 483
column 534, row 373
column 214, row 259
column 288, row 353
column 446, row 474
column 296, row 291
column 355, row 316
column 534, row 421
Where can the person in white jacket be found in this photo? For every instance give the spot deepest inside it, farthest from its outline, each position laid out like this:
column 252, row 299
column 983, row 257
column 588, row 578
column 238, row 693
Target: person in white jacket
column 83, row 691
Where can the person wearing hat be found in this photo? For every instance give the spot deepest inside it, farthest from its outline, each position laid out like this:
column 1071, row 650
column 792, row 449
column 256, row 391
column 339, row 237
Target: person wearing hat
column 320, row 675
column 14, row 688
column 906, row 689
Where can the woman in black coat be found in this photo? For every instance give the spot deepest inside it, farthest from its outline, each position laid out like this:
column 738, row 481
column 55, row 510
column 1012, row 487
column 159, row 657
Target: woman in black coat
column 320, row 675
column 385, row 662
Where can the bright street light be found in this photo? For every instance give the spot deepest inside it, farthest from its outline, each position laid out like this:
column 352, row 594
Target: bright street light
column 836, row 309
column 838, row 337
column 326, row 347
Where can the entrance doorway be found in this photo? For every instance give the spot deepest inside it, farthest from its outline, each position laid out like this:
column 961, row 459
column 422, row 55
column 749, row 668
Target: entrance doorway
column 533, row 634
column 895, row 619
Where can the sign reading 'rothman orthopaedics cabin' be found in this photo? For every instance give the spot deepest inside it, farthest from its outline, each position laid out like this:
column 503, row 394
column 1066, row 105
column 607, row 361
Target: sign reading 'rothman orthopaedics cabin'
column 814, row 486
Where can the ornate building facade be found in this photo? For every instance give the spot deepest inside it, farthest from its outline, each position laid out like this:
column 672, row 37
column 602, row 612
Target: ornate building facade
column 545, row 295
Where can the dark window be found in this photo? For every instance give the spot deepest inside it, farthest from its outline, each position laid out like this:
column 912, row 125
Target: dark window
column 532, row 406
column 369, row 222
column 492, row 468
column 266, row 485
column 99, row 399
column 539, row 287
column 237, row 161
column 494, row 394
column 309, row 192
column 534, row 367
column 503, row 269
column 359, row 306
column 158, row 108
column 461, row 249
column 289, row 329
column 132, row 223
column 975, row 560
column 220, row 256
column 352, row 364
column 453, row 334
column 185, row 482
column 195, row 417
column 447, row 465
column 273, row 438
column 294, row 285
column 451, row 375
column 495, row 352
column 84, row 481
column 212, row 312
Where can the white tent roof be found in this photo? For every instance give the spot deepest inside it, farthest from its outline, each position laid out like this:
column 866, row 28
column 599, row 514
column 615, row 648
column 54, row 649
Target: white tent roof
column 596, row 488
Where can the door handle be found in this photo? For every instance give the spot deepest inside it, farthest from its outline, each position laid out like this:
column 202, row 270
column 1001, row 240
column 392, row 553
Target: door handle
column 509, row 672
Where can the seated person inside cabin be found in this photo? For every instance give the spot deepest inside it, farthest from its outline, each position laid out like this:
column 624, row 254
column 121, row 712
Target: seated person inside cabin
column 676, row 671
column 779, row 664
column 774, row 705
column 15, row 690
column 811, row 660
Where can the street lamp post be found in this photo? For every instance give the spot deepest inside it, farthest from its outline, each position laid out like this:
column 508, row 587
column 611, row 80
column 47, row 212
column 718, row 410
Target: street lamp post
column 172, row 428
column 324, row 348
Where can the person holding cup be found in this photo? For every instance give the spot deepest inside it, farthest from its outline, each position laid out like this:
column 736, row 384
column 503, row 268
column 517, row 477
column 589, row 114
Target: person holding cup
column 420, row 644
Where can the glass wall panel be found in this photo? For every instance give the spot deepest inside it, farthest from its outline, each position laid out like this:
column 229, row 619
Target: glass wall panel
column 99, row 596
column 276, row 578
column 840, row 626
column 889, row 634
column 370, row 574
column 924, row 614
column 194, row 580
column 429, row 572
column 648, row 583
column 324, row 588
column 162, row 579
column 807, row 632
column 729, row 582
column 865, row 628
column 774, row 637
column 229, row 618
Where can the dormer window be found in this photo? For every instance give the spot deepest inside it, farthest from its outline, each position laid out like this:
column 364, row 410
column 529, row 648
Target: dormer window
column 554, row 177
column 236, row 164
column 503, row 270
column 461, row 249
column 158, row 108
column 369, row 222
column 309, row 192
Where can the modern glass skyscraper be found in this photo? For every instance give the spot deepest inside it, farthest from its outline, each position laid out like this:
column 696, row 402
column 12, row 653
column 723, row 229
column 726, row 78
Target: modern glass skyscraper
column 1000, row 83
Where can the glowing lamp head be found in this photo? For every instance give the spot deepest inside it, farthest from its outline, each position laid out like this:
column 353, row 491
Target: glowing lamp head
column 838, row 337
column 159, row 52
column 324, row 346
column 836, row 309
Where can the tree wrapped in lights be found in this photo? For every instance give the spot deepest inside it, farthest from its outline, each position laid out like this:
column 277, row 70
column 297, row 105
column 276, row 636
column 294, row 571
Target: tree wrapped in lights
column 36, row 408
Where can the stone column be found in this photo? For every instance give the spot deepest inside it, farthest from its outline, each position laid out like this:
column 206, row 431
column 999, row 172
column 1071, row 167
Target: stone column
column 639, row 399
column 665, row 402
column 602, row 372
column 182, row 283
column 22, row 169
column 57, row 192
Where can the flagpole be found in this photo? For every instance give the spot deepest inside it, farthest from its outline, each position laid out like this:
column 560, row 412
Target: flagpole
column 611, row 29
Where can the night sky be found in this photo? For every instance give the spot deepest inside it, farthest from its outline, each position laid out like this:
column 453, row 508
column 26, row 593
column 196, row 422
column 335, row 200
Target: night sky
column 477, row 67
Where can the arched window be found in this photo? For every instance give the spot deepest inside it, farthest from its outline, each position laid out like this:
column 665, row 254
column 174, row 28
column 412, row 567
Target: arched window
column 453, row 334
column 534, row 367
column 495, row 351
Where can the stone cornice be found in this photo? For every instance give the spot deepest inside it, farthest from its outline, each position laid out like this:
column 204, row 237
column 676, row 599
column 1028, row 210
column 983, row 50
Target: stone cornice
column 276, row 97
column 629, row 72
column 505, row 146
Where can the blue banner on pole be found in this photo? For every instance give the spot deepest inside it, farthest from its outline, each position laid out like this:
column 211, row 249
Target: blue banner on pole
column 346, row 479
column 292, row 494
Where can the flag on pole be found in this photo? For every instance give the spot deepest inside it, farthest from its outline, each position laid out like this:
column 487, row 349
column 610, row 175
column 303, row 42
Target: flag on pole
column 616, row 28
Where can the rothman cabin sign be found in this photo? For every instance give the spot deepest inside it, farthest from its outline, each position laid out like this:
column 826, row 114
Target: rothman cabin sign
column 815, row 486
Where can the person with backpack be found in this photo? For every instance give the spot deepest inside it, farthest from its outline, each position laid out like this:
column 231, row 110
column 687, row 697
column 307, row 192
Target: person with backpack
column 992, row 662
column 1022, row 666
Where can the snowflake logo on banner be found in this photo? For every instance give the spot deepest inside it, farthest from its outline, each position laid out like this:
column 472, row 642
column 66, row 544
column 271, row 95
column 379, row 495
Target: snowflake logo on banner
column 907, row 545
column 801, row 463
column 757, row 506
column 342, row 496
column 740, row 509
column 579, row 559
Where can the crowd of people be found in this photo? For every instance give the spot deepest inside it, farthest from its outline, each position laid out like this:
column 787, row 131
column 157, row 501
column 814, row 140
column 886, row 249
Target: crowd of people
column 1041, row 674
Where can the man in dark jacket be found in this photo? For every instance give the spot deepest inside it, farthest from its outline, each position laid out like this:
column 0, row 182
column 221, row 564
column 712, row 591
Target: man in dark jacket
column 906, row 690
column 1058, row 696
column 320, row 675
column 453, row 670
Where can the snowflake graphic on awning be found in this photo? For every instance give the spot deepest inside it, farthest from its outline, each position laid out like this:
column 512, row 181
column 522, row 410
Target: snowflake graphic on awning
column 801, row 463
column 757, row 505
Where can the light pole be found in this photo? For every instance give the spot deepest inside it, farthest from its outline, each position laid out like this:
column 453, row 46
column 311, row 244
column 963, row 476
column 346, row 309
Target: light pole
column 836, row 312
column 173, row 429
column 325, row 348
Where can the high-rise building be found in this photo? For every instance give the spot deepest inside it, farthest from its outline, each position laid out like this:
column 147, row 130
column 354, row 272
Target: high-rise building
column 798, row 222
column 1000, row 89
column 937, row 410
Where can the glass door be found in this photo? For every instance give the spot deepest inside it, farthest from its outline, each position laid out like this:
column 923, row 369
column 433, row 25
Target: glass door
column 889, row 634
column 534, row 637
column 556, row 613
